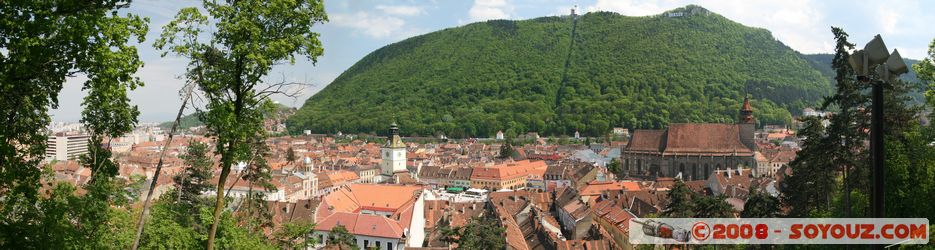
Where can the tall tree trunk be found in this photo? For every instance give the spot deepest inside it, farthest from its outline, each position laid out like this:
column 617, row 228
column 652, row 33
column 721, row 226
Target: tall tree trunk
column 219, row 202
column 162, row 155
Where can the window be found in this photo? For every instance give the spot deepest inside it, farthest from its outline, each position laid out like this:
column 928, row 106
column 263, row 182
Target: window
column 389, row 246
column 378, row 244
column 366, row 243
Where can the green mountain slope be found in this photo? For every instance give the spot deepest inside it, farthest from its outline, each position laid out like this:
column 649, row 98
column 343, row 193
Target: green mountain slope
column 536, row 75
column 822, row 62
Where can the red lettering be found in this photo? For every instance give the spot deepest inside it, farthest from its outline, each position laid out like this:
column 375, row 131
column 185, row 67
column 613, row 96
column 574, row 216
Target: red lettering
column 837, row 230
column 866, row 231
column 795, row 231
column 917, row 231
column 761, row 231
column 885, row 231
column 852, row 234
column 746, row 231
column 824, row 230
column 732, row 231
column 811, row 231
column 902, row 231
column 718, row 231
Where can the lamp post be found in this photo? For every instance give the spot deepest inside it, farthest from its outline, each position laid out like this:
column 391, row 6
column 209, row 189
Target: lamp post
column 887, row 67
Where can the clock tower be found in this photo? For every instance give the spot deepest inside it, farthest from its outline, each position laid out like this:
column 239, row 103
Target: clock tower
column 393, row 154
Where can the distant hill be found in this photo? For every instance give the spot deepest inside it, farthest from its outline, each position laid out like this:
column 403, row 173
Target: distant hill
column 191, row 120
column 822, row 62
column 556, row 75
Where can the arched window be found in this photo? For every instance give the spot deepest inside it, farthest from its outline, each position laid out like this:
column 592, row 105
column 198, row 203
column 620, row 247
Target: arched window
column 682, row 170
column 694, row 171
column 707, row 171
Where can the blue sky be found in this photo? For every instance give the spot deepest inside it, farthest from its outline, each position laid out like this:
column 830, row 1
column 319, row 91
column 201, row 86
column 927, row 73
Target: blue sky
column 357, row 27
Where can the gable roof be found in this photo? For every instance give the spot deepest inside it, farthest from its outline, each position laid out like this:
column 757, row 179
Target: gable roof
column 704, row 138
column 646, row 140
column 362, row 224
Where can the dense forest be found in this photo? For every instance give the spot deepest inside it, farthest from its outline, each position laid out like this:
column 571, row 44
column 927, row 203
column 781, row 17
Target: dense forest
column 556, row 75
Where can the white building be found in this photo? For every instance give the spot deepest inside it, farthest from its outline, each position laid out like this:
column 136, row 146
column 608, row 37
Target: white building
column 63, row 147
column 385, row 217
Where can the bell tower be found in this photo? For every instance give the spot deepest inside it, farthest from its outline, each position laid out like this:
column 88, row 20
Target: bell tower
column 747, row 125
column 746, row 112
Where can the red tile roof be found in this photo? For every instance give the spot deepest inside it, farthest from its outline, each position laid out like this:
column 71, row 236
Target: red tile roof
column 362, row 224
column 646, row 140
column 704, row 138
column 510, row 170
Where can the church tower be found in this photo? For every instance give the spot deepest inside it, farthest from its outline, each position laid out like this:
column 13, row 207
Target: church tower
column 746, row 112
column 393, row 153
column 747, row 125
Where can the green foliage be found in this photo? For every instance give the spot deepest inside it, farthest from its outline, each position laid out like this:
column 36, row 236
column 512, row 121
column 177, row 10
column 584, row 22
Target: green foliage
column 290, row 155
column 194, row 179
column 339, row 236
column 712, row 207
column 506, row 150
column 295, row 235
column 761, row 205
column 228, row 59
column 635, row 72
column 43, row 44
column 809, row 188
column 680, row 201
column 482, row 233
column 614, row 167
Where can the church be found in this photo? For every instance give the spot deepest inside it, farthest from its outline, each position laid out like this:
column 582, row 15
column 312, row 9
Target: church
column 692, row 150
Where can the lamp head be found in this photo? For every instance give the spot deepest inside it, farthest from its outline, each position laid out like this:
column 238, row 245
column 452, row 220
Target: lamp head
column 895, row 64
column 876, row 51
column 857, row 61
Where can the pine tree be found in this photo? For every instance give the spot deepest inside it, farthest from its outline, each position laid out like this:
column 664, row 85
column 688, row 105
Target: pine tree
column 506, row 150
column 290, row 155
column 194, row 179
column 808, row 190
column 760, row 205
column 680, row 201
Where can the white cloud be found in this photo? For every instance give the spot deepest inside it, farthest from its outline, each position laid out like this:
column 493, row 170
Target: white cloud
column 483, row 10
column 371, row 25
column 629, row 7
column 401, row 10
column 797, row 23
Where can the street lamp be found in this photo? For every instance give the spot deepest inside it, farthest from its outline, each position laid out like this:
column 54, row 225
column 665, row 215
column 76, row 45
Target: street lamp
column 887, row 68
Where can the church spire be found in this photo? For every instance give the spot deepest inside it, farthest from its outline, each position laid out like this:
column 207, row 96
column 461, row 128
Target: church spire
column 746, row 111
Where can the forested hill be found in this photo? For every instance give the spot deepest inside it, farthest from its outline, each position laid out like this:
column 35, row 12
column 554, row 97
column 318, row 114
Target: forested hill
column 556, row 75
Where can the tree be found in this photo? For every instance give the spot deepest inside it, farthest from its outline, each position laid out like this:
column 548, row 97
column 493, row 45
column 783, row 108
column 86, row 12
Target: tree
column 808, row 190
column 680, row 201
column 448, row 234
column 712, row 207
column 845, row 134
column 614, row 167
column 229, row 62
column 294, row 235
column 506, row 150
column 43, row 44
column 194, row 179
column 290, row 155
column 760, row 205
column 482, row 233
column 340, row 237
